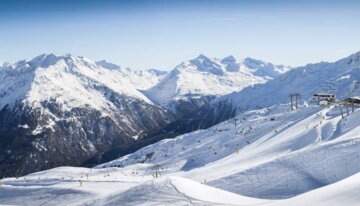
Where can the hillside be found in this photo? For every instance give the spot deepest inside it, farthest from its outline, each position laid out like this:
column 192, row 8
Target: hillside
column 313, row 151
column 293, row 144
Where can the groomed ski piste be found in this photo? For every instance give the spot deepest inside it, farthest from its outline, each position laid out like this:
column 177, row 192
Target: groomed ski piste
column 270, row 156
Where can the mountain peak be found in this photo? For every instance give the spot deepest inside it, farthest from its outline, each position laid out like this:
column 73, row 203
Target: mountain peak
column 251, row 62
column 46, row 60
column 231, row 64
column 228, row 59
column 107, row 65
column 202, row 56
column 205, row 64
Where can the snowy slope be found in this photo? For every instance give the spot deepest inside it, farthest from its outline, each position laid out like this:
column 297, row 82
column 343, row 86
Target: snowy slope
column 203, row 76
column 308, row 148
column 176, row 191
column 344, row 192
column 312, row 154
column 141, row 79
column 112, row 186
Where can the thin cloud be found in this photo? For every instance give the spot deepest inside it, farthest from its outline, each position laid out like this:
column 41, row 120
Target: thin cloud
column 240, row 17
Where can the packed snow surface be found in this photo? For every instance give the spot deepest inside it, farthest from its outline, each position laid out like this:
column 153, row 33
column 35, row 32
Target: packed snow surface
column 271, row 156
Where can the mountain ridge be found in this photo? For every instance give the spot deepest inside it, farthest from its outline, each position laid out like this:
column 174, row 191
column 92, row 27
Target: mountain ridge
column 202, row 79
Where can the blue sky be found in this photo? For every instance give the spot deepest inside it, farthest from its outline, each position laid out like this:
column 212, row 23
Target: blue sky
column 145, row 34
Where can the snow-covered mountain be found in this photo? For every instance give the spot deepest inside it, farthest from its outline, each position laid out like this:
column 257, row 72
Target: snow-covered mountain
column 270, row 156
column 194, row 83
column 64, row 110
column 341, row 78
column 141, row 79
column 63, row 77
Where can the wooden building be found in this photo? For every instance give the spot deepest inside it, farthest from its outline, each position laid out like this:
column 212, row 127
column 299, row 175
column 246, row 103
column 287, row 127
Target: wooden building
column 324, row 98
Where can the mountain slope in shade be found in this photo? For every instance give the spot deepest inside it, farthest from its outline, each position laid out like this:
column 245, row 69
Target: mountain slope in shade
column 194, row 83
column 64, row 110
